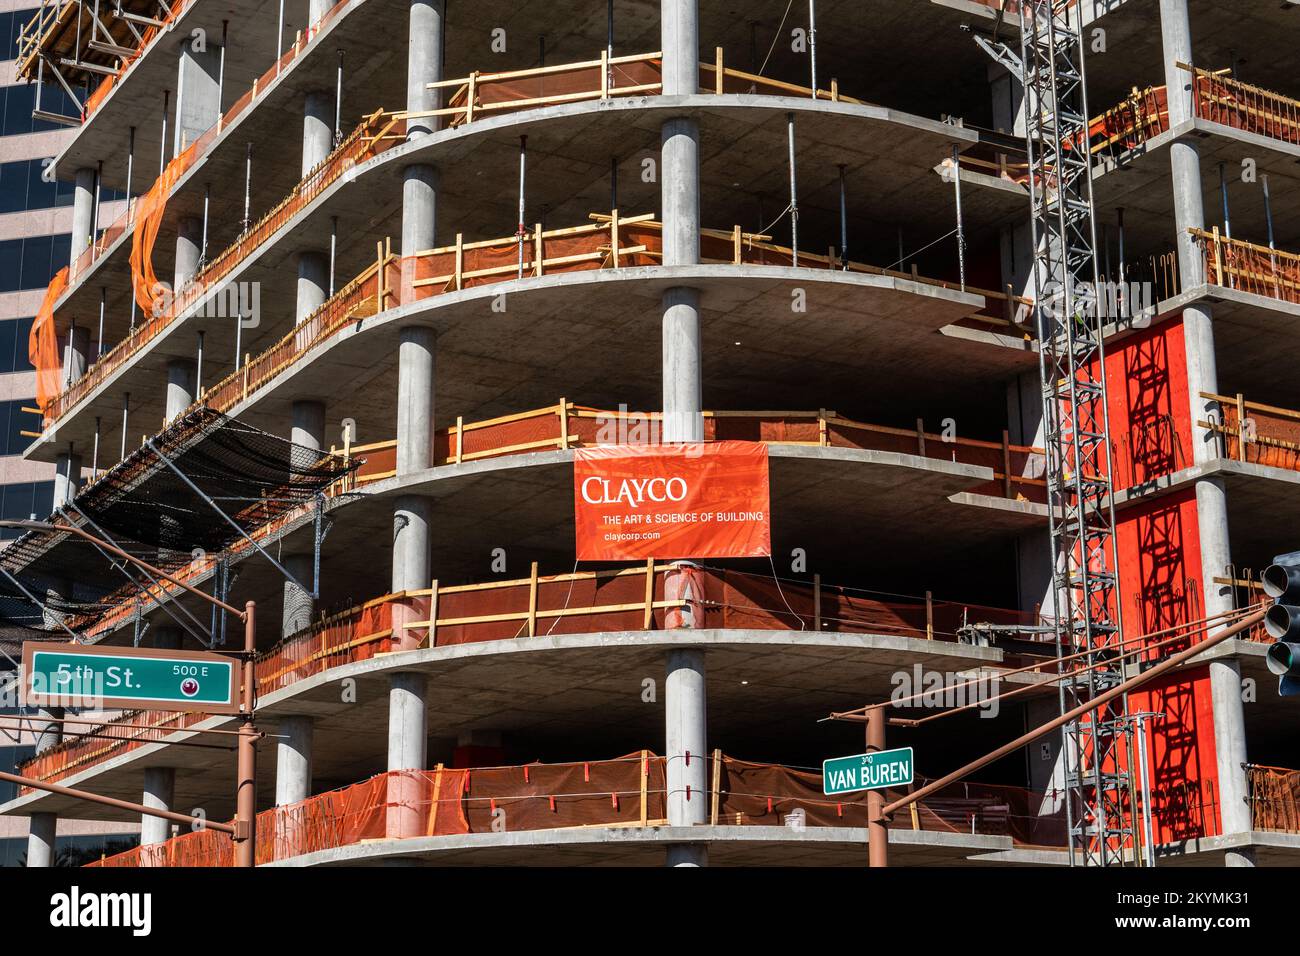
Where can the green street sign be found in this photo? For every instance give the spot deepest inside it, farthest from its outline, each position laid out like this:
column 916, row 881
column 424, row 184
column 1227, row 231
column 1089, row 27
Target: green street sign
column 75, row 675
column 873, row 771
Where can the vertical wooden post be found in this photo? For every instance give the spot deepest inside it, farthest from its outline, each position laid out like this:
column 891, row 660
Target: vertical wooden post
column 564, row 423
column 1006, row 463
column 645, row 774
column 460, row 259
column 1218, row 259
column 460, row 437
column 817, row 602
column 717, row 785
column 469, row 97
column 920, row 437
column 835, row 90
column 613, row 237
column 717, row 70
column 537, row 246
column 433, row 614
column 649, row 594
column 929, row 616
column 604, row 73
column 532, row 601
column 433, row 803
column 1241, row 426
column 821, row 427
column 735, row 245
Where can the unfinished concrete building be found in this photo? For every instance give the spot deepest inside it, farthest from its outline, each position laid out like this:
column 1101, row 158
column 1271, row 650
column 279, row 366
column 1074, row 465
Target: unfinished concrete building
column 388, row 263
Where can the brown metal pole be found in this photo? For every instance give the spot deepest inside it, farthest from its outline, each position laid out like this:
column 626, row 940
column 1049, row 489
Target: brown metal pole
column 110, row 801
column 1168, row 664
column 246, row 791
column 877, row 826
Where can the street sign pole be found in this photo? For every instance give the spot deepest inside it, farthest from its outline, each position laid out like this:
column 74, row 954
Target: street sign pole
column 246, row 788
column 877, row 827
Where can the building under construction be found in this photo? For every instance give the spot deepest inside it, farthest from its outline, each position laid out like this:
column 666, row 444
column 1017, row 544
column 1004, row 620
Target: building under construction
column 998, row 286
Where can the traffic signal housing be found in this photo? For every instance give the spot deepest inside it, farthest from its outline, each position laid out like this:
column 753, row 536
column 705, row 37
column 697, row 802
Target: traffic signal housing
column 1281, row 581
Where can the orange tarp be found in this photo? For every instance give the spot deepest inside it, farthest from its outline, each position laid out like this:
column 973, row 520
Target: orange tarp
column 43, row 343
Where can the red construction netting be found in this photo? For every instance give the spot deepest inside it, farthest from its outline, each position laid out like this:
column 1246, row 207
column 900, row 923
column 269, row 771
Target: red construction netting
column 1274, row 798
column 509, row 92
column 1247, row 267
column 76, row 753
column 1222, row 99
column 43, row 344
column 626, row 792
column 357, row 634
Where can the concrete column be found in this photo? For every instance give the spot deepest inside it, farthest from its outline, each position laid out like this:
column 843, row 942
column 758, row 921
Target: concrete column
column 317, row 129
column 180, row 387
column 308, row 427
column 424, row 64
column 680, row 197
column 83, row 214
column 41, row 828
column 313, row 283
column 293, row 760
column 679, row 36
column 415, row 399
column 67, row 478
column 75, row 353
column 407, row 750
column 317, row 9
column 189, row 246
column 1230, row 754
column 198, row 95
column 1202, row 376
column 299, row 607
column 686, row 749
column 159, row 794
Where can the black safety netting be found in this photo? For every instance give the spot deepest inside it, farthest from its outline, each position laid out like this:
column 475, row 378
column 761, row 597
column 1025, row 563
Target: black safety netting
column 154, row 514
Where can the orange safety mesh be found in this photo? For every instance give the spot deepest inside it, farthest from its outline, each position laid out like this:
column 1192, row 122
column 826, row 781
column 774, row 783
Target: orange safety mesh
column 150, row 208
column 43, row 344
column 105, row 239
column 1221, row 99
column 1272, row 436
column 1274, row 798
column 509, row 93
column 564, row 604
column 1247, row 267
column 625, row 792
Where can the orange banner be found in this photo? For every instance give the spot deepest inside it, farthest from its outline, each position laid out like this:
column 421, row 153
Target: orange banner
column 688, row 500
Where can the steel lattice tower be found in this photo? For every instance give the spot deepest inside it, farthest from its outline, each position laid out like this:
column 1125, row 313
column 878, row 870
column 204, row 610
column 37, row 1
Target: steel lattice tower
column 1076, row 426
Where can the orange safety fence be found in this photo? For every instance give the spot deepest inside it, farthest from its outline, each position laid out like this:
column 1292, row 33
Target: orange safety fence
column 43, row 343
column 1274, row 797
column 585, row 602
column 626, row 792
column 1247, row 267
column 1223, row 99
column 1017, row 469
column 77, row 753
column 1251, row 432
column 612, row 241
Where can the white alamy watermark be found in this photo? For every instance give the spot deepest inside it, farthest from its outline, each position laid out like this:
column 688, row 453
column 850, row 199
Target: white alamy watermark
column 945, row 690
column 225, row 300
column 625, row 427
column 1111, row 301
column 75, row 909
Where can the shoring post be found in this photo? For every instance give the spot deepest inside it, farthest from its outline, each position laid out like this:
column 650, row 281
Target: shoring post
column 961, row 230
column 794, row 195
column 812, row 46
column 817, row 603
column 877, row 827
column 844, row 220
column 246, row 790
column 523, row 165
